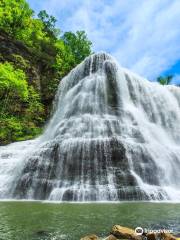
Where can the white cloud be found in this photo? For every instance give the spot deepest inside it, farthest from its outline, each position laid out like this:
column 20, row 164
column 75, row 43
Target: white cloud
column 142, row 34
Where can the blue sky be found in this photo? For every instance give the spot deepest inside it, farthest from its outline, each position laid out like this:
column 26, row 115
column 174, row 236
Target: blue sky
column 143, row 35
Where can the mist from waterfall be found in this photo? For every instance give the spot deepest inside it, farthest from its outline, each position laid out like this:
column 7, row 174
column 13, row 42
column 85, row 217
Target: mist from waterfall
column 112, row 136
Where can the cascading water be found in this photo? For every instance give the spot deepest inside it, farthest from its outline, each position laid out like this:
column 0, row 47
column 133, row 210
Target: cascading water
column 113, row 136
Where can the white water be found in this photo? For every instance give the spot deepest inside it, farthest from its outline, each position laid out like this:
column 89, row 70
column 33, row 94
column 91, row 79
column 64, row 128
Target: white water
column 113, row 136
column 12, row 160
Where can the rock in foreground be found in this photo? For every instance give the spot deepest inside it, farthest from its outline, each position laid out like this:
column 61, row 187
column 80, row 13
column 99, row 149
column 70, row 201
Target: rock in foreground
column 124, row 233
column 120, row 232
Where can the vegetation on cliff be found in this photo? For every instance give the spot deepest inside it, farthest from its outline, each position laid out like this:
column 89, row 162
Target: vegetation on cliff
column 165, row 80
column 34, row 56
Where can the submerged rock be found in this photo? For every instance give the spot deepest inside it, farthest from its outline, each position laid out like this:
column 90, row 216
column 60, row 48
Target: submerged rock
column 90, row 237
column 110, row 237
column 42, row 233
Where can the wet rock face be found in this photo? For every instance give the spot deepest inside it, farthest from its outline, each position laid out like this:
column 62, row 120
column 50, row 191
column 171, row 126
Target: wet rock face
column 37, row 175
column 42, row 173
column 112, row 86
column 90, row 162
column 101, row 143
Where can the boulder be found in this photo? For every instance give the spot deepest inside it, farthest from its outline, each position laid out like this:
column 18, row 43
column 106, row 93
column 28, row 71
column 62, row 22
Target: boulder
column 151, row 236
column 166, row 236
column 119, row 232
column 163, row 236
column 124, row 233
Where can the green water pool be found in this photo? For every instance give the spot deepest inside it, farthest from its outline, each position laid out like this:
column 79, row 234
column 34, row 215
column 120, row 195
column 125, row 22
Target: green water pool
column 70, row 221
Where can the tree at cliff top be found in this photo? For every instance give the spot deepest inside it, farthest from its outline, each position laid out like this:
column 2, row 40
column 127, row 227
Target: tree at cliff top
column 78, row 45
column 165, row 80
column 54, row 53
column 14, row 16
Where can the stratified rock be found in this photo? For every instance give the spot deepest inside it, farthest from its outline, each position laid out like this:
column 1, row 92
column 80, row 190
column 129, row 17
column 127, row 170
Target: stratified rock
column 90, row 237
column 124, row 233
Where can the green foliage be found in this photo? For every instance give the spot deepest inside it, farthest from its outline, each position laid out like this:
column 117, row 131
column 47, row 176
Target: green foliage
column 33, row 34
column 17, row 129
column 23, row 102
column 16, row 19
column 49, row 23
column 78, row 44
column 11, row 129
column 65, row 60
column 35, row 109
column 21, row 112
column 20, row 62
column 165, row 80
column 12, row 82
column 71, row 49
column 41, row 34
column 14, row 16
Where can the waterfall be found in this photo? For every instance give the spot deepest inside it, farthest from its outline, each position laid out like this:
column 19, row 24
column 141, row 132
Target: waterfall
column 113, row 136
